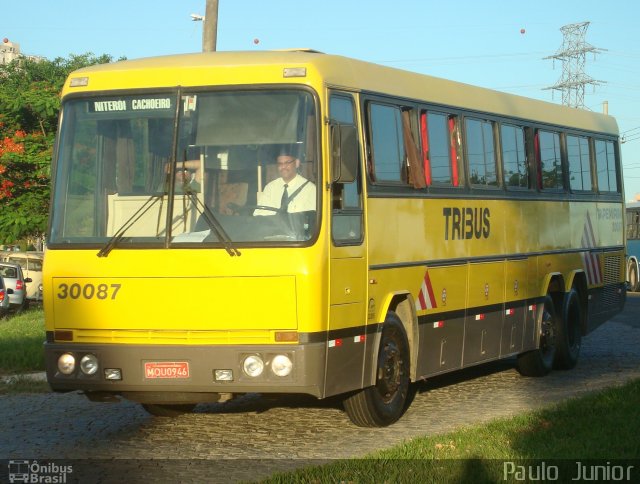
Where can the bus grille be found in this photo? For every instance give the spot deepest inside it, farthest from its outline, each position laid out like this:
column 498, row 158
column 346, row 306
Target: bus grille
column 611, row 294
column 612, row 268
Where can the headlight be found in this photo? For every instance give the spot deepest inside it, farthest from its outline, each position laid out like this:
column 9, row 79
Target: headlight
column 253, row 365
column 89, row 364
column 66, row 364
column 281, row 365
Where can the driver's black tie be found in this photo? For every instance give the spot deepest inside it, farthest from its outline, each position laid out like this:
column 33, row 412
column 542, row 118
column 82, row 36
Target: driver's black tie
column 284, row 202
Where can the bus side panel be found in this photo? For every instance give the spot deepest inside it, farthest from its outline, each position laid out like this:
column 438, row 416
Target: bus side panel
column 441, row 343
column 515, row 307
column 442, row 327
column 345, row 350
column 483, row 324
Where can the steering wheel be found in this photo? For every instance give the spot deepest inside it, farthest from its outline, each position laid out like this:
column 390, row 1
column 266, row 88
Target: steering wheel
column 249, row 209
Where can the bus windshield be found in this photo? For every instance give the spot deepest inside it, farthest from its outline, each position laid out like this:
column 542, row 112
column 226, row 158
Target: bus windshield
column 203, row 168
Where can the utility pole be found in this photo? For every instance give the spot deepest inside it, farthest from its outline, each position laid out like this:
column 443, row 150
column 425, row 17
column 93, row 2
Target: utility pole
column 210, row 26
column 572, row 54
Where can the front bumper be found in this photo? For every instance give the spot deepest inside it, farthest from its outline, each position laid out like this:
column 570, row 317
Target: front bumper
column 306, row 377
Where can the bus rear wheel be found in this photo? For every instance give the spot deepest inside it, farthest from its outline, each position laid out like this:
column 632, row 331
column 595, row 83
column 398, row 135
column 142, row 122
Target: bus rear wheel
column 539, row 362
column 569, row 337
column 168, row 410
column 385, row 402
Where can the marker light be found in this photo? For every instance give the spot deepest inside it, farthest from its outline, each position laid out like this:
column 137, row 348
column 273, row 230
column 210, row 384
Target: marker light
column 253, row 365
column 223, row 375
column 281, row 365
column 89, row 364
column 79, row 82
column 294, row 72
column 112, row 374
column 66, row 364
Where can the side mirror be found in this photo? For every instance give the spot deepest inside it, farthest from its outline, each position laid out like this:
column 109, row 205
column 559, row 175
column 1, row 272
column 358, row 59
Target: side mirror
column 28, row 279
column 344, row 153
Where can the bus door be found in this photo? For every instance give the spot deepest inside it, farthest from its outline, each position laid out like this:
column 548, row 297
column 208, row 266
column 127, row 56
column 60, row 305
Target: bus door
column 348, row 263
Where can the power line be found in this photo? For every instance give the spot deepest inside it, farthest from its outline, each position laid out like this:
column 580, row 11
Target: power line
column 624, row 139
column 630, row 130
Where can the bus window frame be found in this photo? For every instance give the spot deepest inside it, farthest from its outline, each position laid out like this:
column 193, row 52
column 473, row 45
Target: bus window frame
column 457, row 173
column 616, row 165
column 371, row 163
column 590, row 157
column 497, row 160
column 553, row 130
column 528, row 155
column 357, row 182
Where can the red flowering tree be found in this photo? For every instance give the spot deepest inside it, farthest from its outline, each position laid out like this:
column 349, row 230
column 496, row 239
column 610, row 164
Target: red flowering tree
column 29, row 104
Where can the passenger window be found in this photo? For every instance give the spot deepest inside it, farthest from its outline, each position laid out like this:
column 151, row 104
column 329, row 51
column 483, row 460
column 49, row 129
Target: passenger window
column 481, row 153
column 514, row 156
column 579, row 163
column 549, row 160
column 387, row 143
column 440, row 145
column 606, row 166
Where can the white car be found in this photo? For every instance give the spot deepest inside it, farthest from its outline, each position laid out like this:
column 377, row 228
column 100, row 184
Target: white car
column 31, row 263
column 15, row 281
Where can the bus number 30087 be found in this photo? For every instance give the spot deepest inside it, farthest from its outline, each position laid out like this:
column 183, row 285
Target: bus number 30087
column 88, row 291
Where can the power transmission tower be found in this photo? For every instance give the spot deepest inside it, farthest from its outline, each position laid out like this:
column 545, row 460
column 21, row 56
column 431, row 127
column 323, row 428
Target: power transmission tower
column 572, row 54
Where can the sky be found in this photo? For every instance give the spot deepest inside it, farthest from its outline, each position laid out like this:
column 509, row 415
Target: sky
column 498, row 44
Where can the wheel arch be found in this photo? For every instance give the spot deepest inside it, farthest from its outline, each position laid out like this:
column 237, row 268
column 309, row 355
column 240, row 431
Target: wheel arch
column 403, row 304
column 554, row 285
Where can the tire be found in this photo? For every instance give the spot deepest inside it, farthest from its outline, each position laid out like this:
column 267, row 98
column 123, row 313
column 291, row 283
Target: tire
column 633, row 276
column 385, row 402
column 168, row 410
column 569, row 338
column 539, row 362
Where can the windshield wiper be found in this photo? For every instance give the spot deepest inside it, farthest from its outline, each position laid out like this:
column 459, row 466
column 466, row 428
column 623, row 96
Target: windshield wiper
column 213, row 223
column 117, row 237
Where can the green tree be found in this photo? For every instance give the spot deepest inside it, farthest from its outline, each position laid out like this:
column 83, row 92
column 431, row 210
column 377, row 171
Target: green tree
column 29, row 106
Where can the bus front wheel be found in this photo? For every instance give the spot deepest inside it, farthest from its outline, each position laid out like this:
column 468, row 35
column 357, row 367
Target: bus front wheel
column 539, row 362
column 385, row 402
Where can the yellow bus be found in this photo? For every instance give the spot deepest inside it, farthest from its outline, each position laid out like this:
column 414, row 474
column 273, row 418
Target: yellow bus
column 427, row 226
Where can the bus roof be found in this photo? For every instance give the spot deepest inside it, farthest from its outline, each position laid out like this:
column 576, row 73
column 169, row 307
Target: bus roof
column 266, row 67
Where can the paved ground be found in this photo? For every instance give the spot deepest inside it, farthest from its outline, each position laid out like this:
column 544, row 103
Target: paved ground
column 269, row 433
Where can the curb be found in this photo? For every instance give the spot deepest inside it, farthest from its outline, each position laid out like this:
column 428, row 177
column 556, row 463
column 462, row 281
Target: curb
column 33, row 376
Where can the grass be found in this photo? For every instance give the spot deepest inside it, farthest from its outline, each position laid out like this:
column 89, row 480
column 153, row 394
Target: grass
column 598, row 428
column 21, row 339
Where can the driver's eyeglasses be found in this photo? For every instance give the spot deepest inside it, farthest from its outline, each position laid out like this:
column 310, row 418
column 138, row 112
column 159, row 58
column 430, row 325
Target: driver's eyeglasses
column 285, row 163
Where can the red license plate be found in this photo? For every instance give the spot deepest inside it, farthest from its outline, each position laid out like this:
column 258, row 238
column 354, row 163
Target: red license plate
column 166, row 369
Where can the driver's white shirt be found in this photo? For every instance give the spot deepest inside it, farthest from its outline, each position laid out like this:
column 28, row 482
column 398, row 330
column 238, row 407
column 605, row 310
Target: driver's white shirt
column 304, row 201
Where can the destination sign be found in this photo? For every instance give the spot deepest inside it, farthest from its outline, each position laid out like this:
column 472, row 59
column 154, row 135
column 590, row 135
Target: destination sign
column 131, row 104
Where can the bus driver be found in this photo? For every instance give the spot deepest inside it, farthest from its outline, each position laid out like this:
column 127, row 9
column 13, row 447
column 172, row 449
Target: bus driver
column 291, row 192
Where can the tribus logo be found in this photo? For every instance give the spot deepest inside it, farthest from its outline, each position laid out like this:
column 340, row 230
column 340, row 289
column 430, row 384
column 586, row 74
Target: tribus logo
column 37, row 472
column 466, row 223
